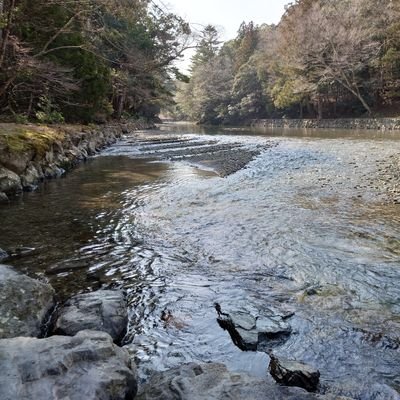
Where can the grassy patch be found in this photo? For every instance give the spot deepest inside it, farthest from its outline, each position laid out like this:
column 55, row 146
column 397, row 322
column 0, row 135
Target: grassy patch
column 16, row 138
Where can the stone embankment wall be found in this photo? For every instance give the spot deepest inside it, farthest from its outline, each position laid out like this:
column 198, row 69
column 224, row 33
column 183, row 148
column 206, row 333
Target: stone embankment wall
column 30, row 154
column 341, row 123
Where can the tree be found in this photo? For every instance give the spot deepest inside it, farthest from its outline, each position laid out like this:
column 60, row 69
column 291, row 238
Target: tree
column 207, row 47
column 89, row 58
column 246, row 43
column 326, row 44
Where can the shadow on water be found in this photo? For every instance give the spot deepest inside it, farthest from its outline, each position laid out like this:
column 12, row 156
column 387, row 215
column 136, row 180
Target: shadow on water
column 304, row 227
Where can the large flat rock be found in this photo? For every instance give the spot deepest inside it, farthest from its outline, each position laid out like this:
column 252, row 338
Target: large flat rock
column 103, row 310
column 215, row 382
column 25, row 304
column 87, row 366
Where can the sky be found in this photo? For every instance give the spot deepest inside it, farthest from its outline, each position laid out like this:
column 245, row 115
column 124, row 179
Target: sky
column 227, row 15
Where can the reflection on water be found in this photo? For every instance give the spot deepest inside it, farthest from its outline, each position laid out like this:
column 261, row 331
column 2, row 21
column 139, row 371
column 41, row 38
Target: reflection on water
column 304, row 228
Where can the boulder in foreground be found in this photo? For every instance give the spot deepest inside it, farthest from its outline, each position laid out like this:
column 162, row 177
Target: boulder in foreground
column 25, row 304
column 215, row 382
column 103, row 310
column 87, row 366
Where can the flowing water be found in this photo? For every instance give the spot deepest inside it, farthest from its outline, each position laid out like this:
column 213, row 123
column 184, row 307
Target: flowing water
column 305, row 227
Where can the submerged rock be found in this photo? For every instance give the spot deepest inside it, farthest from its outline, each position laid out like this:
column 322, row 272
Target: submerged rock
column 250, row 332
column 25, row 304
column 103, row 310
column 214, row 382
column 22, row 251
column 87, row 366
column 293, row 373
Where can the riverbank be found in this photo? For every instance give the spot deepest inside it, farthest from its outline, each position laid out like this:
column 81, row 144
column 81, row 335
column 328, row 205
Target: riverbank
column 382, row 124
column 45, row 346
column 29, row 154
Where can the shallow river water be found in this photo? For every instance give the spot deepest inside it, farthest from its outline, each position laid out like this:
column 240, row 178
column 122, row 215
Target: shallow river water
column 305, row 227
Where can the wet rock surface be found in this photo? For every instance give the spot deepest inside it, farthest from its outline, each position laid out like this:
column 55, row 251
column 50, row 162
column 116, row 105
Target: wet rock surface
column 25, row 304
column 215, row 382
column 103, row 310
column 293, row 373
column 252, row 332
column 87, row 366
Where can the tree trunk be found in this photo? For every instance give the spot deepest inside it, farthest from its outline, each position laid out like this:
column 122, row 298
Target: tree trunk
column 7, row 29
column 364, row 103
column 319, row 108
column 120, row 106
column 308, row 106
column 355, row 91
column 30, row 106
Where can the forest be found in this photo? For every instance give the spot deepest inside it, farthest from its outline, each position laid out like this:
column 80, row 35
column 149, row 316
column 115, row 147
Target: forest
column 95, row 60
column 325, row 59
column 86, row 60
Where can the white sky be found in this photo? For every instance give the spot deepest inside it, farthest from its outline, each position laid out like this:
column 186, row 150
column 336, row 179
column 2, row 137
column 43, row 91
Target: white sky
column 227, row 15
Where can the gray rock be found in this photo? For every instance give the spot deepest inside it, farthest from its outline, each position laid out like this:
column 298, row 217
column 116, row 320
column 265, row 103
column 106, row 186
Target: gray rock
column 248, row 340
column 214, row 382
column 30, row 178
column 103, row 310
column 243, row 320
column 293, row 373
column 87, row 366
column 3, row 198
column 271, row 326
column 49, row 156
column 25, row 304
column 9, row 181
column 254, row 332
column 53, row 171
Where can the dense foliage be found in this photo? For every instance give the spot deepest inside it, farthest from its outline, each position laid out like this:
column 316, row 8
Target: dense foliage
column 324, row 59
column 86, row 60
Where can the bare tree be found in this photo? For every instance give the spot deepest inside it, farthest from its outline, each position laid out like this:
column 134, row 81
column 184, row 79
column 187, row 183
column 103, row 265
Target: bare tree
column 329, row 42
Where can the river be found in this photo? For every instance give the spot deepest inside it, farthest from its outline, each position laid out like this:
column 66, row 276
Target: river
column 307, row 226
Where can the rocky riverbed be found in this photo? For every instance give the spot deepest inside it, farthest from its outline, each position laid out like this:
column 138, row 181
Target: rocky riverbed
column 223, row 157
column 187, row 263
column 78, row 359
